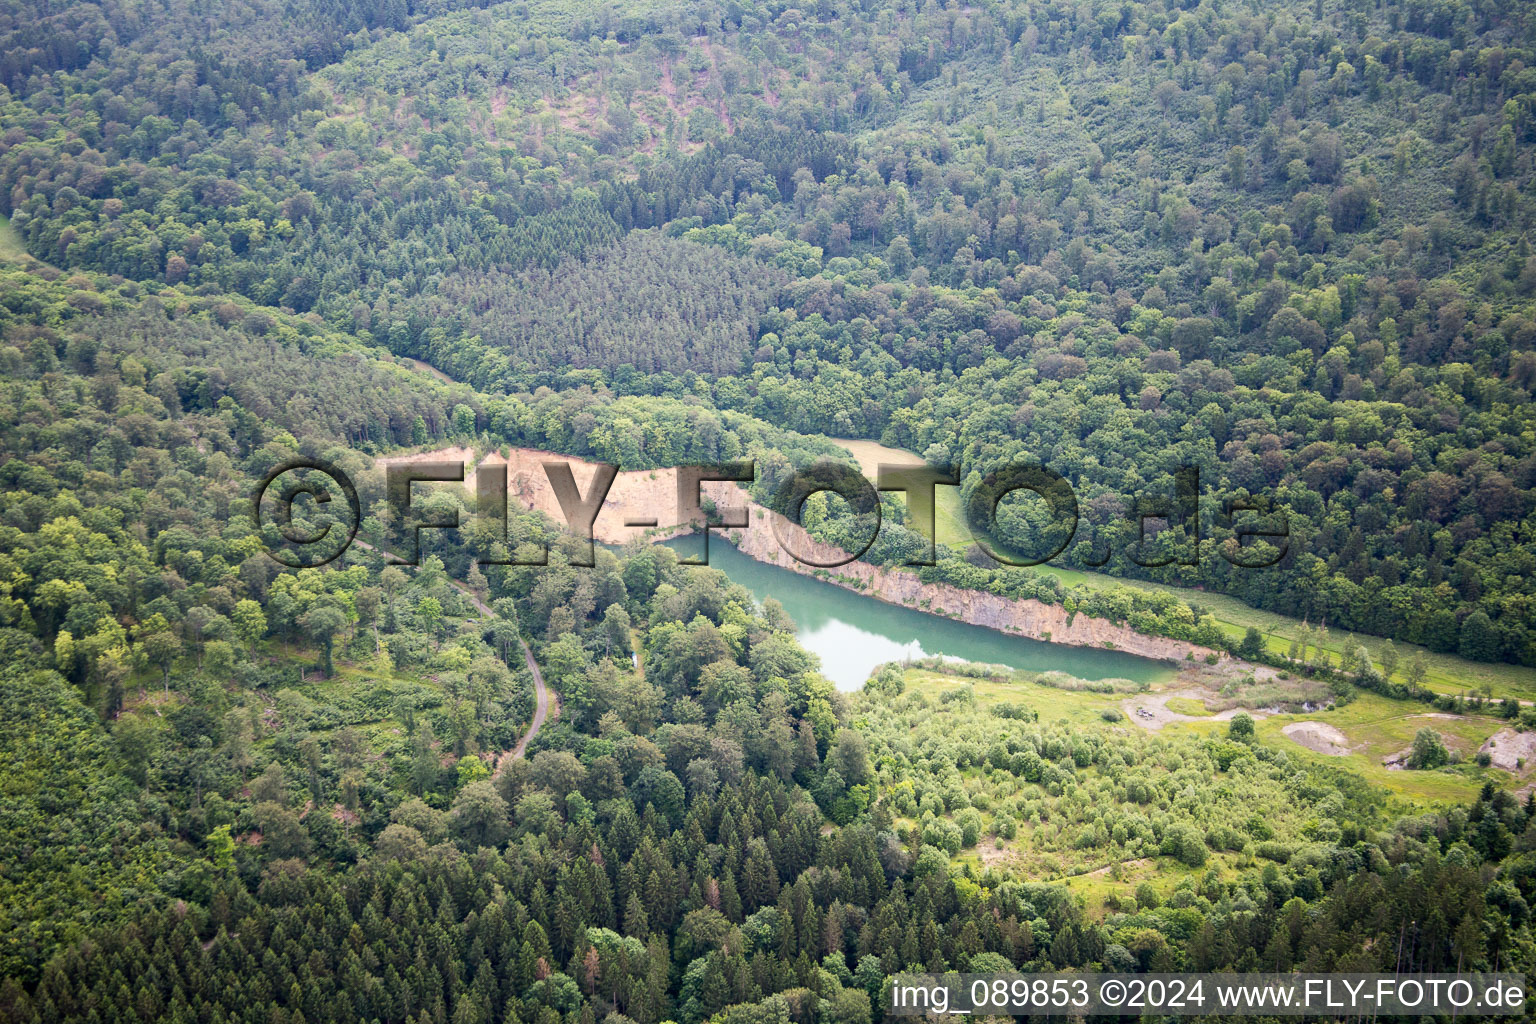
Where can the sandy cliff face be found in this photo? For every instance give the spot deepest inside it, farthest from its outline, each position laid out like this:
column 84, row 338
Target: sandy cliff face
column 1030, row 618
column 769, row 537
column 635, row 495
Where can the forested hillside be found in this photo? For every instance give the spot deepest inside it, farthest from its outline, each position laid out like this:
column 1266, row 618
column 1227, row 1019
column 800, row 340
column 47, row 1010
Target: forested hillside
column 295, row 795
column 1286, row 244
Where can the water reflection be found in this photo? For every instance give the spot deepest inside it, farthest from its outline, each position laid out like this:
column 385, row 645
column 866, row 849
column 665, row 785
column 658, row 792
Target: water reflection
column 852, row 634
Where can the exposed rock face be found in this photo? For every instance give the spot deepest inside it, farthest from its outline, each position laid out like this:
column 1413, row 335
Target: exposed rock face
column 637, row 494
column 1030, row 618
column 769, row 537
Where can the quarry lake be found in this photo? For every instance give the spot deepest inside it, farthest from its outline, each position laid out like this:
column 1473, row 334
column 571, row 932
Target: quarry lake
column 851, row 633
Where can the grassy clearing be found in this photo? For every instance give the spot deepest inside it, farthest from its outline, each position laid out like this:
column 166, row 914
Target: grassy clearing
column 948, row 514
column 1447, row 673
column 10, row 242
column 1388, row 736
column 1118, row 882
column 1048, row 844
column 1377, row 728
column 1188, row 706
column 1084, row 834
column 1075, row 707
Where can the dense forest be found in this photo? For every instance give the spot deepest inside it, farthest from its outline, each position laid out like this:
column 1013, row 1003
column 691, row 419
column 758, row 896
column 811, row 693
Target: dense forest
column 293, row 784
column 1284, row 244
column 1302, row 267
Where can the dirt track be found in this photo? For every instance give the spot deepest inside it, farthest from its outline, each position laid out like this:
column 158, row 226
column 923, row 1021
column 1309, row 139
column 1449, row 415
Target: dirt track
column 542, row 699
column 1150, row 710
column 540, row 709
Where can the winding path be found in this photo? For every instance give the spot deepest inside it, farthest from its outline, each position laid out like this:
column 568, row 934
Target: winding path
column 541, row 696
column 540, row 709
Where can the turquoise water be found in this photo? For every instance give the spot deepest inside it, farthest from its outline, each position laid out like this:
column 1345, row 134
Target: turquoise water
column 852, row 633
